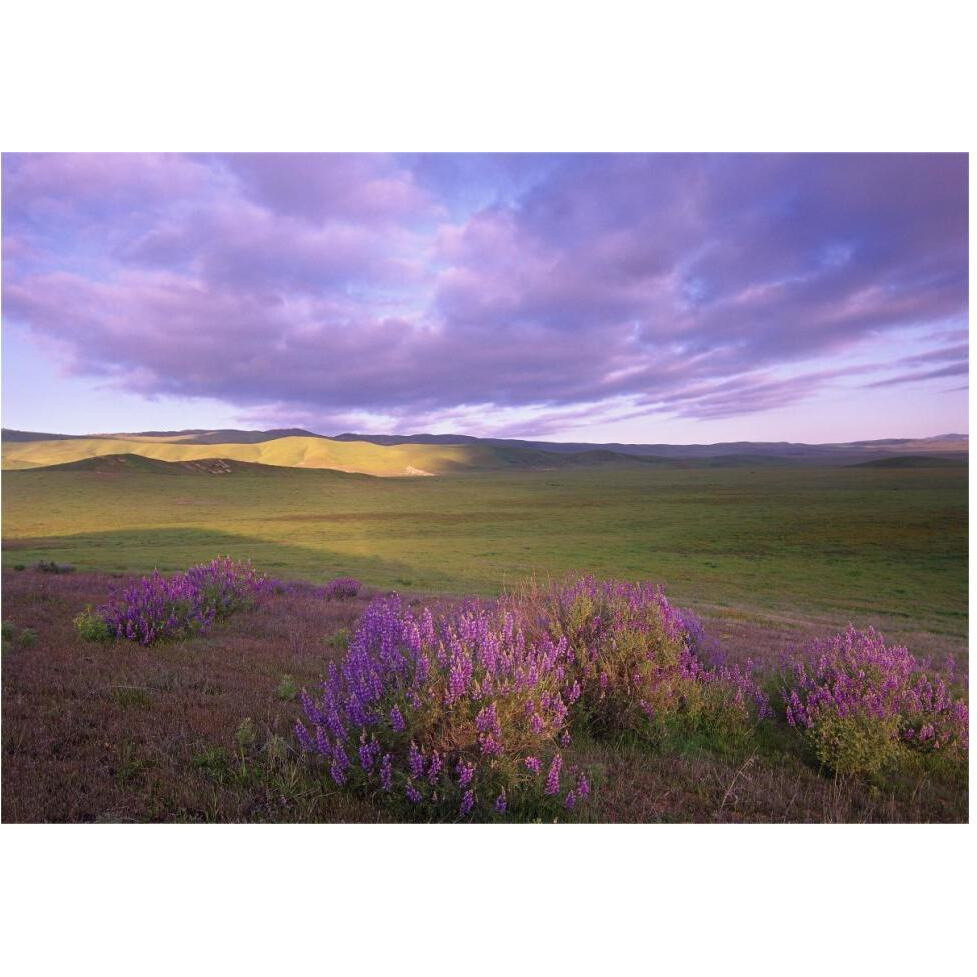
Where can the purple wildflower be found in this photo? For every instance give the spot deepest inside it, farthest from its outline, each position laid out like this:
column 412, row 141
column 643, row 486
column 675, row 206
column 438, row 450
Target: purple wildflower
column 465, row 773
column 553, row 777
column 416, row 760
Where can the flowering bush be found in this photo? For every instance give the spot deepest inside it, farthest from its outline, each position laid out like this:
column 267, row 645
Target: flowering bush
column 342, row 587
column 158, row 607
column 453, row 710
column 468, row 709
column 637, row 660
column 860, row 702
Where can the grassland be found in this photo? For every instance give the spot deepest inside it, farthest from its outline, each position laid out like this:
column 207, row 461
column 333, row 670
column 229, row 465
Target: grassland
column 797, row 549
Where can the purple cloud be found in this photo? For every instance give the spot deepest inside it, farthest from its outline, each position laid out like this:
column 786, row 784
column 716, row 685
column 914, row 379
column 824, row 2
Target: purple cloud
column 317, row 287
column 954, row 369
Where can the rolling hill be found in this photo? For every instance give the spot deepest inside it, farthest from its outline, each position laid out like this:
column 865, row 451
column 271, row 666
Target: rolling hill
column 947, row 460
column 307, row 452
column 429, row 454
column 831, row 453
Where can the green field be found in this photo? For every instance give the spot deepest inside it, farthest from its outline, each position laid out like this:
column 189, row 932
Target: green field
column 859, row 543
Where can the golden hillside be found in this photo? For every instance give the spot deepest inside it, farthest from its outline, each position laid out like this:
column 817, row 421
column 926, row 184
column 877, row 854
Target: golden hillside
column 292, row 452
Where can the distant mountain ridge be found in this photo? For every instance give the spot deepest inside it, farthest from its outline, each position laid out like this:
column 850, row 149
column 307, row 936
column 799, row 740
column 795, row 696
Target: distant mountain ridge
column 785, row 449
column 427, row 454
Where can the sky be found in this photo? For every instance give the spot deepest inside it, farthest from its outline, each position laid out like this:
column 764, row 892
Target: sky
column 611, row 297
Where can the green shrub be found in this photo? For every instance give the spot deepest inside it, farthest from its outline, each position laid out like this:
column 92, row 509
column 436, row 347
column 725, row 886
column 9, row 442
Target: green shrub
column 864, row 705
column 92, row 627
column 287, row 689
column 637, row 662
column 339, row 639
column 27, row 638
column 213, row 762
column 857, row 743
column 246, row 735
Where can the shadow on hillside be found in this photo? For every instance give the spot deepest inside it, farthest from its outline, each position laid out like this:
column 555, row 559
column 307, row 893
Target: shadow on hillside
column 176, row 548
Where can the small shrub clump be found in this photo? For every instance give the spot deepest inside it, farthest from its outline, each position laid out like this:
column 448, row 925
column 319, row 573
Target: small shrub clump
column 342, row 587
column 246, row 734
column 287, row 689
column 455, row 712
column 92, row 626
column 157, row 607
column 862, row 703
column 26, row 638
column 49, row 566
column 339, row 639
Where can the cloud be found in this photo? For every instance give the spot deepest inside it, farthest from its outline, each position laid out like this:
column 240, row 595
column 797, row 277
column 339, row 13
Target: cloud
column 954, row 369
column 528, row 291
column 363, row 188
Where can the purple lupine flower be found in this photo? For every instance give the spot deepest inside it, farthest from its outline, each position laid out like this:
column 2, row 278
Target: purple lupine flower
column 397, row 720
column 302, row 735
column 368, row 752
column 465, row 772
column 416, row 760
column 553, row 776
column 500, row 802
column 467, row 802
column 532, row 764
column 413, row 794
column 386, row 772
column 491, row 746
column 487, row 720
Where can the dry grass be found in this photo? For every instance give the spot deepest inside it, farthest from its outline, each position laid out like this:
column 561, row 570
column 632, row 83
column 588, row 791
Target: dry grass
column 120, row 732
